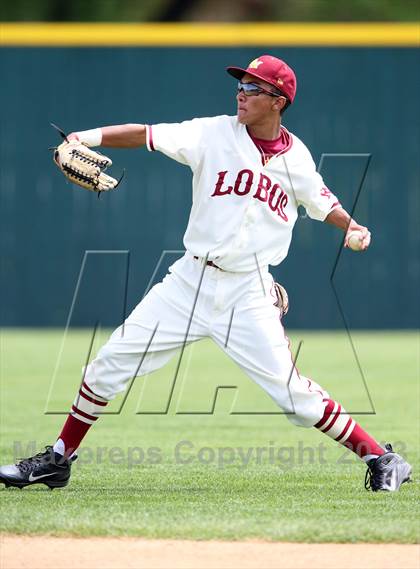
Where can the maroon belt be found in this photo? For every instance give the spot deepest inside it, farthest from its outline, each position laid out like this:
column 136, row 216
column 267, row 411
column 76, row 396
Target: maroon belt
column 209, row 263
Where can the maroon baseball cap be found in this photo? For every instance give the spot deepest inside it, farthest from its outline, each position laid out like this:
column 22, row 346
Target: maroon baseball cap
column 273, row 71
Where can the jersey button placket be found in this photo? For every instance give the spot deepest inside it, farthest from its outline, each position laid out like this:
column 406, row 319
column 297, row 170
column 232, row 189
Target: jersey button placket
column 250, row 215
column 244, row 230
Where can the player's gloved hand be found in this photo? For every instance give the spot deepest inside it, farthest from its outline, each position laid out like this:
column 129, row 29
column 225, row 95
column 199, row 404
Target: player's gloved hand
column 84, row 166
column 282, row 302
column 366, row 235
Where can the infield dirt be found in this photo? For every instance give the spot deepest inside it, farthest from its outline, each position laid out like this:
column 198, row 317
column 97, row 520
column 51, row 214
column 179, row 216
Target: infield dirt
column 22, row 552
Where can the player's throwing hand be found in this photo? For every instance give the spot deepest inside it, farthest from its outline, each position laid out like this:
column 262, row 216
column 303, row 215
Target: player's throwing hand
column 357, row 237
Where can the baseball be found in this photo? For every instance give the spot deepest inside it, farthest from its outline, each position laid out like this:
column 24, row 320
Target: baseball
column 355, row 240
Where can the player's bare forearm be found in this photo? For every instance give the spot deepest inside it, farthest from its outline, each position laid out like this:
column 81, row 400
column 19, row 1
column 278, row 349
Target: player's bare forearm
column 341, row 219
column 124, row 135
column 116, row 136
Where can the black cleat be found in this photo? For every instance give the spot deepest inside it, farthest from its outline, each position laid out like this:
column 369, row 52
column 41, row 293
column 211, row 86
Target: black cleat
column 47, row 467
column 387, row 472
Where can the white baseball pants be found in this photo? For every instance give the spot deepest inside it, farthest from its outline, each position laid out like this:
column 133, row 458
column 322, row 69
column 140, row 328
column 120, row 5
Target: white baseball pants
column 200, row 299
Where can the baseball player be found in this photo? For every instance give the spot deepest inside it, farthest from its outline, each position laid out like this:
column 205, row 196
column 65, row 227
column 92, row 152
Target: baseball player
column 249, row 175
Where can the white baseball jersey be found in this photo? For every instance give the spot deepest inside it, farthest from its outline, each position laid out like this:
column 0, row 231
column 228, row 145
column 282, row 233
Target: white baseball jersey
column 242, row 217
column 243, row 212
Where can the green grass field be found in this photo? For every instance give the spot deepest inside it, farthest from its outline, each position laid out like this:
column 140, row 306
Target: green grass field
column 129, row 479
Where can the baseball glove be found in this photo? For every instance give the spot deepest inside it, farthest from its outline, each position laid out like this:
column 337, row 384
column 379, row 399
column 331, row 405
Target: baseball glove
column 282, row 302
column 84, row 167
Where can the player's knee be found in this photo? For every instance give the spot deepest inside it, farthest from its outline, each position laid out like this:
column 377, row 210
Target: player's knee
column 107, row 353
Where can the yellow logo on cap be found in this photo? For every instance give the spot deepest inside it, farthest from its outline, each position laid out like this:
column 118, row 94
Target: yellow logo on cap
column 255, row 63
column 280, row 81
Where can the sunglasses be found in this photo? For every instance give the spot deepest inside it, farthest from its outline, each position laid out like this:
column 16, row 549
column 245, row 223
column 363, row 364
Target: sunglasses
column 252, row 89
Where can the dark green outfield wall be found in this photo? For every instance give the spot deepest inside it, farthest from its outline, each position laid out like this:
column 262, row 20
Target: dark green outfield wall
column 349, row 101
